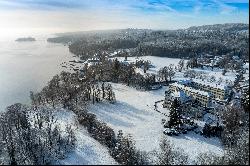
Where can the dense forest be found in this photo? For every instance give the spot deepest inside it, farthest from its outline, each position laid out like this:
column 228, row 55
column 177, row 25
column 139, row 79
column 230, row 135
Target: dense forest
column 219, row 39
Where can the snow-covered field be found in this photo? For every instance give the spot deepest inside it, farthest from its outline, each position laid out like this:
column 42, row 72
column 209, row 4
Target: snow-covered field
column 134, row 114
column 217, row 73
column 88, row 151
column 160, row 62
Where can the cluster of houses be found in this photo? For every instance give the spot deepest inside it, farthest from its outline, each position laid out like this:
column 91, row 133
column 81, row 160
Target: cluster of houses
column 205, row 94
column 207, row 60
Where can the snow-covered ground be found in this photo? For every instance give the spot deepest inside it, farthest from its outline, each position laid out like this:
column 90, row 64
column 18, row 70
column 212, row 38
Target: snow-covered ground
column 217, row 73
column 160, row 62
column 134, row 113
column 88, row 151
column 157, row 62
column 246, row 75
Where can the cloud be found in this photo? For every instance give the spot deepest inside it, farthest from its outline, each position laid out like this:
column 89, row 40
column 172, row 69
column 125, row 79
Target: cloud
column 146, row 6
column 74, row 15
column 158, row 5
column 42, row 4
column 224, row 7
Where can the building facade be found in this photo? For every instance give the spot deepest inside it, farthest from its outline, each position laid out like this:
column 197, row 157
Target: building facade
column 202, row 92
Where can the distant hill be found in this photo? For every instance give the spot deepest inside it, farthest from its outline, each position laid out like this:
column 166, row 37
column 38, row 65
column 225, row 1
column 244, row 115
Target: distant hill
column 222, row 27
column 217, row 39
column 25, row 39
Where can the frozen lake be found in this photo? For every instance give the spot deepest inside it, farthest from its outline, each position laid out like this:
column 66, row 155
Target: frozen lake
column 26, row 66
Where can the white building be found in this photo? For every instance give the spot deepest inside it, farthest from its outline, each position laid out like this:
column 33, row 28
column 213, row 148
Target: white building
column 201, row 91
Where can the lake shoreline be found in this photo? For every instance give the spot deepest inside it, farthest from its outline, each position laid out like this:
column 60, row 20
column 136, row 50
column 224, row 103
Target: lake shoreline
column 28, row 66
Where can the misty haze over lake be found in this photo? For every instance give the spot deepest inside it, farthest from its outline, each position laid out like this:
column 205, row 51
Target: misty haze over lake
column 26, row 66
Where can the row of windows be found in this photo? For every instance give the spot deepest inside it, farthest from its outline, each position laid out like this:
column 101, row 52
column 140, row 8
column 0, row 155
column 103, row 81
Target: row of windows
column 202, row 99
column 172, row 89
column 203, row 103
column 214, row 92
column 207, row 87
column 217, row 95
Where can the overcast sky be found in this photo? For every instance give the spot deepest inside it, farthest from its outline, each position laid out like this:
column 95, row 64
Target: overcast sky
column 23, row 16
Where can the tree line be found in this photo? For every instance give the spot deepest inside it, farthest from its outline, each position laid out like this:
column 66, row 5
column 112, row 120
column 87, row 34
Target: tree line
column 191, row 42
column 67, row 88
column 30, row 135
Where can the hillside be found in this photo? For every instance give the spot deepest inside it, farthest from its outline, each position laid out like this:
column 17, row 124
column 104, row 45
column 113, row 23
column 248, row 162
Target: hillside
column 218, row 39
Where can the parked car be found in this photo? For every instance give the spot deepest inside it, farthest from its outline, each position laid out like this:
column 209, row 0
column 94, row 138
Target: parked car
column 171, row 131
column 195, row 126
column 166, row 125
column 190, row 127
column 184, row 131
column 163, row 121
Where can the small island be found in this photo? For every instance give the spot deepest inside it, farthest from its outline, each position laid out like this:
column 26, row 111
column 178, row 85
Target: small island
column 25, row 39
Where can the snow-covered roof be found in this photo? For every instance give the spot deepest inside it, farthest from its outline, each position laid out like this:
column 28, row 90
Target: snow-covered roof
column 211, row 119
column 235, row 57
column 94, row 59
column 114, row 53
column 211, row 84
column 125, row 62
column 246, row 66
column 203, row 82
column 185, row 81
column 190, row 89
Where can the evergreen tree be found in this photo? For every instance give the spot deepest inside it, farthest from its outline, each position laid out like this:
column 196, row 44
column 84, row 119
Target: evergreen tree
column 126, row 153
column 175, row 115
column 245, row 99
column 206, row 130
column 117, row 151
column 169, row 155
column 192, row 63
column 116, row 69
column 181, row 65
